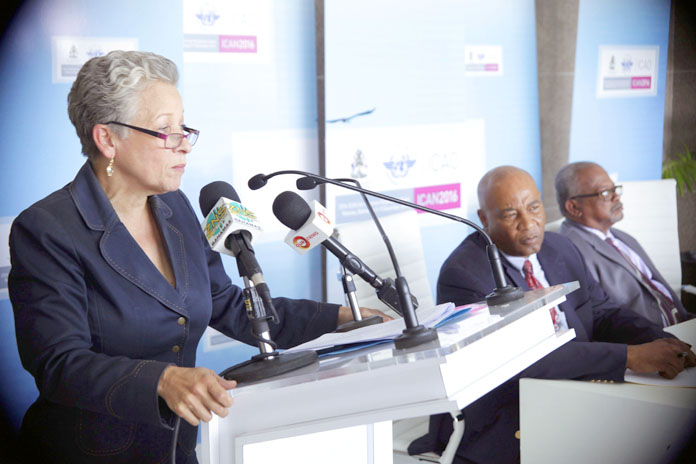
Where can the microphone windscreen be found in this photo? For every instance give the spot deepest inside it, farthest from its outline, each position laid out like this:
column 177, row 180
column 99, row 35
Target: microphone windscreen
column 306, row 183
column 256, row 182
column 291, row 210
column 211, row 193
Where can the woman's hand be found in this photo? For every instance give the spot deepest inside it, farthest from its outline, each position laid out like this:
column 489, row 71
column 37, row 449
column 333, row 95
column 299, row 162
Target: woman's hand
column 193, row 393
column 346, row 315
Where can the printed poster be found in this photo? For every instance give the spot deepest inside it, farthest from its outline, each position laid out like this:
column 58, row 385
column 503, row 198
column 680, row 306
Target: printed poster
column 627, row 71
column 433, row 165
column 71, row 52
column 227, row 31
column 483, row 60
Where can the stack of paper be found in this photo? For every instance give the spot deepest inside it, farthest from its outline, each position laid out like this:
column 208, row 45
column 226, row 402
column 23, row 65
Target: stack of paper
column 386, row 331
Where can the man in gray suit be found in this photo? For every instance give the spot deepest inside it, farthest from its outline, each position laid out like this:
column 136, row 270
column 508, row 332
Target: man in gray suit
column 591, row 204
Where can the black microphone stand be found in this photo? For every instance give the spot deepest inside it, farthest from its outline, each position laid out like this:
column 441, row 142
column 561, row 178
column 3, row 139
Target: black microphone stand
column 503, row 293
column 268, row 363
column 414, row 334
column 349, row 290
column 400, row 282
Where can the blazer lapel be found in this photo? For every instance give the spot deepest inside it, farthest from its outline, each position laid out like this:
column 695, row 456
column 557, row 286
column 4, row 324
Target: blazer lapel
column 119, row 249
column 174, row 243
column 514, row 275
column 635, row 246
column 603, row 248
column 556, row 272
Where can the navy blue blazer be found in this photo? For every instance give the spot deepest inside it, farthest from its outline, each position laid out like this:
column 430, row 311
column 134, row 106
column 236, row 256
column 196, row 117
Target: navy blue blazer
column 598, row 351
column 97, row 323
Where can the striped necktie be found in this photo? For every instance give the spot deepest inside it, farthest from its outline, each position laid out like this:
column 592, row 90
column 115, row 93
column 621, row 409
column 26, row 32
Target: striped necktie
column 664, row 302
column 534, row 284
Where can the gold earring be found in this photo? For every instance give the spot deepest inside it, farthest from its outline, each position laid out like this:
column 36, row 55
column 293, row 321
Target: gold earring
column 110, row 168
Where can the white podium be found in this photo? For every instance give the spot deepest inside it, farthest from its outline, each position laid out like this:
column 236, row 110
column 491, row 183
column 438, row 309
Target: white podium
column 379, row 384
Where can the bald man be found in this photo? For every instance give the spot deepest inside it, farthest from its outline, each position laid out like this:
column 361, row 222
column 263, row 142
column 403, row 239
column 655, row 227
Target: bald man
column 591, row 204
column 608, row 338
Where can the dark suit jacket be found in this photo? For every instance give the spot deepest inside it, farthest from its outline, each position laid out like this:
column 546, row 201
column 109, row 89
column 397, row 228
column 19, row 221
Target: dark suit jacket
column 598, row 352
column 616, row 275
column 97, row 323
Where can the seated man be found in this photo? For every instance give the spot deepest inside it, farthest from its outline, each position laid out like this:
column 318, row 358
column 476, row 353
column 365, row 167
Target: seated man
column 608, row 338
column 590, row 202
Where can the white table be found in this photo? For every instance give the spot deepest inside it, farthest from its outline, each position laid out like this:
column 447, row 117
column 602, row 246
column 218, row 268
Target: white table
column 607, row 423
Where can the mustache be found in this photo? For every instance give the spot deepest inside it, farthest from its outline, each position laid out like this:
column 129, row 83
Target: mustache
column 616, row 207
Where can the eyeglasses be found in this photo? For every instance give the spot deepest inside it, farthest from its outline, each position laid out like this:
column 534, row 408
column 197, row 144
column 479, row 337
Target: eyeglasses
column 170, row 140
column 605, row 195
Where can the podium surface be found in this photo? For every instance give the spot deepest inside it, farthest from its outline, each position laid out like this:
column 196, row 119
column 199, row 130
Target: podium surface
column 473, row 355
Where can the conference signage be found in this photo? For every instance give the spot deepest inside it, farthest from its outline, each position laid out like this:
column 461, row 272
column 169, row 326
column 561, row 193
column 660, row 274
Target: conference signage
column 483, row 60
column 627, row 71
column 230, row 31
column 69, row 53
column 432, row 165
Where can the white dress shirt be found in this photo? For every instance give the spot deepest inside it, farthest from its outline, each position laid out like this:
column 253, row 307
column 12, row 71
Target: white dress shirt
column 518, row 263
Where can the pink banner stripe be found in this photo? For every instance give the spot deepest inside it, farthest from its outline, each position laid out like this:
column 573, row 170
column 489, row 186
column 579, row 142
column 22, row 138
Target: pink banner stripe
column 237, row 44
column 641, row 82
column 438, row 197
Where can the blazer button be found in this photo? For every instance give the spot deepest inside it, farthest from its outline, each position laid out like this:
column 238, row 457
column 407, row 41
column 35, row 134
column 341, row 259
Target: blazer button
column 176, row 348
column 181, row 321
column 517, row 434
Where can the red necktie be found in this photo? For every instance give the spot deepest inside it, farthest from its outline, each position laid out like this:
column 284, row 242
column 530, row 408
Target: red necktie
column 534, row 284
column 664, row 302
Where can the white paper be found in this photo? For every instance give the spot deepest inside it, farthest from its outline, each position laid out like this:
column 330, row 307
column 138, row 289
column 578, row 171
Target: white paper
column 386, row 330
column 686, row 332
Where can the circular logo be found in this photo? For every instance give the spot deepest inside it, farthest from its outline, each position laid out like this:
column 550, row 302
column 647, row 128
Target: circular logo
column 300, row 242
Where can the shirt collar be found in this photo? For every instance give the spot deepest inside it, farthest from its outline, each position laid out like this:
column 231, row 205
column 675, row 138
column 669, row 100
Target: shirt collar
column 598, row 232
column 518, row 261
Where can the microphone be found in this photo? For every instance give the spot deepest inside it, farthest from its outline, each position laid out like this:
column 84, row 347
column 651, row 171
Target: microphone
column 503, row 293
column 229, row 228
column 259, row 180
column 308, row 183
column 310, row 227
column 293, row 211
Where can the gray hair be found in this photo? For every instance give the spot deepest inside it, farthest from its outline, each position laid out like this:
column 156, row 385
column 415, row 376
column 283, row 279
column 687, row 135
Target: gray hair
column 108, row 88
column 566, row 182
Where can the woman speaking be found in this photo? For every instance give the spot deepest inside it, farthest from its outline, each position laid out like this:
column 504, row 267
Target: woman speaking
column 113, row 283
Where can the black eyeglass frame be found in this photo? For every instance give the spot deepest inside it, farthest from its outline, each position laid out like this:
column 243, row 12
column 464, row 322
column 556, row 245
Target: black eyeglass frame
column 606, row 194
column 191, row 133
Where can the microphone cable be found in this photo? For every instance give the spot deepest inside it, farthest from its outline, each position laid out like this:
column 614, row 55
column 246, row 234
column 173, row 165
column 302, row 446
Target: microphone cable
column 175, row 438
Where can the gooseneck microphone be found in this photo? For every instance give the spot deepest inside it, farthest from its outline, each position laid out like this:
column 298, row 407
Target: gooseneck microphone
column 308, row 183
column 229, row 229
column 308, row 231
column 503, row 292
column 293, row 212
